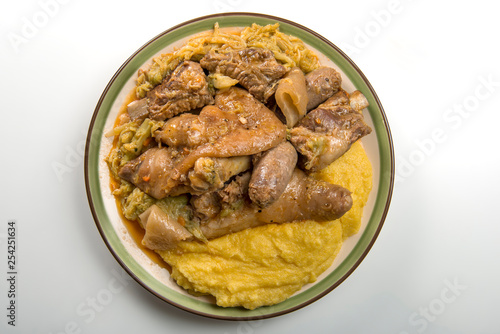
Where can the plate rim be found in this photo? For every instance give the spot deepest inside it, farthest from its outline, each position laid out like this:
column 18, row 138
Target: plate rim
column 389, row 173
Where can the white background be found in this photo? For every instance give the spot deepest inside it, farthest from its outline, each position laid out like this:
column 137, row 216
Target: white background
column 435, row 66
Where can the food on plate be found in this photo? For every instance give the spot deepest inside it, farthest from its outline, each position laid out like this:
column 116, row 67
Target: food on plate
column 272, row 171
column 186, row 88
column 328, row 131
column 321, row 84
column 238, row 154
column 292, row 96
column 255, row 69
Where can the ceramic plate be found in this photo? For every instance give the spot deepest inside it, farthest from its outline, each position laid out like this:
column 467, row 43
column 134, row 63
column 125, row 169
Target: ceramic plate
column 155, row 278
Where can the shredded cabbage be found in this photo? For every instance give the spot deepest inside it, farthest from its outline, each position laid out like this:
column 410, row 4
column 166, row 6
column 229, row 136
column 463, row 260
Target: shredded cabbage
column 287, row 49
column 194, row 49
column 136, row 203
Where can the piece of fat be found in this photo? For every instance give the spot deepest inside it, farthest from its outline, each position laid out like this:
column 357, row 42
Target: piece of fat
column 138, row 109
column 162, row 231
column 358, row 101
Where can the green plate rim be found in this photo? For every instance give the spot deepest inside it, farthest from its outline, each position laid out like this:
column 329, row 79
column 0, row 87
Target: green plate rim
column 102, row 220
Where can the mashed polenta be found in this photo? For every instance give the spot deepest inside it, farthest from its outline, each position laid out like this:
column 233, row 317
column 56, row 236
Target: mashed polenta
column 267, row 264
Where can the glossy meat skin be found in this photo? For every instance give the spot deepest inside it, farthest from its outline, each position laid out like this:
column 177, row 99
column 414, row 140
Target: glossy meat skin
column 291, row 96
column 236, row 221
column 271, row 174
column 254, row 129
column 190, row 131
column 327, row 132
column 150, row 171
column 321, row 84
column 256, row 69
column 185, row 89
column 162, row 231
column 304, row 198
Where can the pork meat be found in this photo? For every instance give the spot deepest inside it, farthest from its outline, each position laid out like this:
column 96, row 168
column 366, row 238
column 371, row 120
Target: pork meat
column 255, row 69
column 186, row 88
column 304, row 198
column 327, row 132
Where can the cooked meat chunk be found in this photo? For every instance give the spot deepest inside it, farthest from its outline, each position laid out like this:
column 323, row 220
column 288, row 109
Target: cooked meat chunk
column 255, row 69
column 321, row 84
column 338, row 99
column 254, row 129
column 231, row 197
column 236, row 220
column 236, row 191
column 186, row 88
column 162, row 231
column 190, row 131
column 326, row 133
column 304, row 198
column 210, row 174
column 206, row 205
column 150, row 171
column 138, row 109
column 271, row 174
column 291, row 96
column 358, row 101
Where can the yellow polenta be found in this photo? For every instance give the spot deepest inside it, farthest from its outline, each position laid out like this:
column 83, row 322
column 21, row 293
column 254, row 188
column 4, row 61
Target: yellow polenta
column 352, row 171
column 267, row 264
